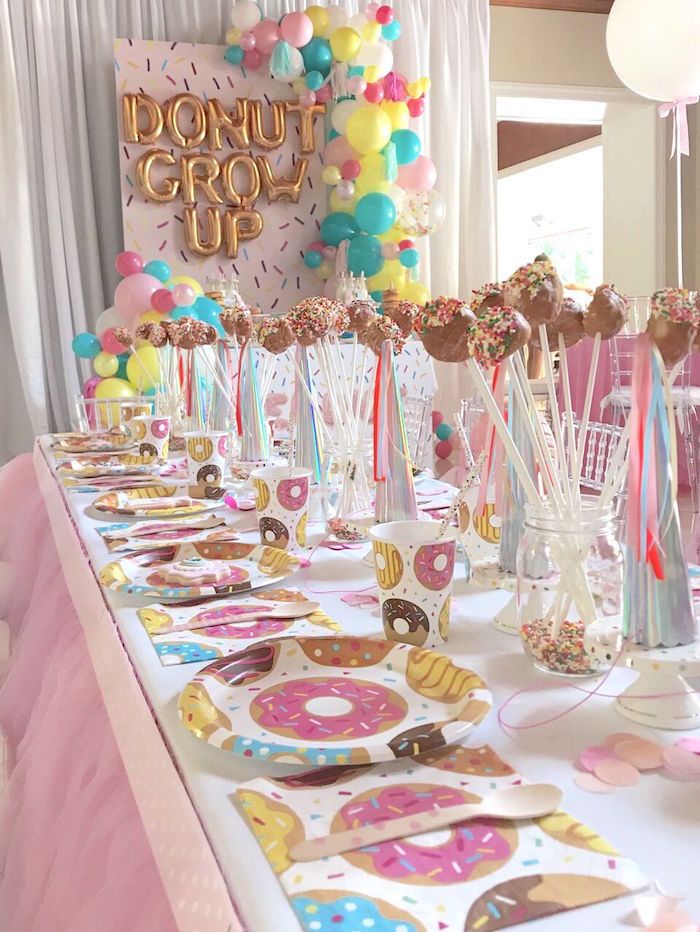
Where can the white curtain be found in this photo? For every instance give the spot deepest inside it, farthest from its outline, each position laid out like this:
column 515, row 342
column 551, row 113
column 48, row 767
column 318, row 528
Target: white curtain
column 60, row 222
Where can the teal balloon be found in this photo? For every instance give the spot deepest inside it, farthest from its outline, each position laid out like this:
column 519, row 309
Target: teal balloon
column 377, row 297
column 407, row 145
column 409, row 258
column 337, row 227
column 317, row 56
column 391, row 31
column 356, row 69
column 365, row 255
column 86, row 345
column 314, row 80
column 312, row 259
column 208, row 310
column 332, row 134
column 121, row 372
column 375, row 213
column 149, row 392
column 158, row 269
column 234, row 54
column 443, row 431
column 179, row 312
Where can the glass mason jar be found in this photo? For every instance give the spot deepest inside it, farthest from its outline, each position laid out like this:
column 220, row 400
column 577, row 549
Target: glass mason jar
column 569, row 574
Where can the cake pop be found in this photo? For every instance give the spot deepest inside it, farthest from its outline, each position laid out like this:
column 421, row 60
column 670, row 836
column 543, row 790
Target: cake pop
column 158, row 336
column 607, row 313
column 497, row 334
column 673, row 323
column 122, row 335
column 275, row 335
column 381, row 329
column 361, row 314
column 401, row 312
column 184, row 333
column 442, row 326
column 536, row 291
column 340, row 319
column 568, row 323
column 311, row 319
column 490, row 295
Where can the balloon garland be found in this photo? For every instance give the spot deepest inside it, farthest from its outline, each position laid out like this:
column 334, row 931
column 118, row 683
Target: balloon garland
column 381, row 185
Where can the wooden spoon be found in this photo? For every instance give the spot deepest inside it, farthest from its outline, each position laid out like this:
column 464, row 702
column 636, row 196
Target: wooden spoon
column 529, row 801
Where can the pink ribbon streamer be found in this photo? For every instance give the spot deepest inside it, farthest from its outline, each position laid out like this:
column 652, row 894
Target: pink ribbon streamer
column 679, row 109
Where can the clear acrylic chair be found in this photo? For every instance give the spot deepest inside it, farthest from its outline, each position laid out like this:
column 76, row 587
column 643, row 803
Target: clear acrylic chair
column 104, row 413
column 418, row 419
column 599, row 448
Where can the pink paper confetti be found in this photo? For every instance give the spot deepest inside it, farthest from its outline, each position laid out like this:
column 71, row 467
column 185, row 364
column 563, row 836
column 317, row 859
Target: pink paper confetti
column 593, row 755
column 681, row 762
column 612, row 740
column 359, row 599
column 640, row 753
column 616, row 772
column 586, row 781
column 690, row 744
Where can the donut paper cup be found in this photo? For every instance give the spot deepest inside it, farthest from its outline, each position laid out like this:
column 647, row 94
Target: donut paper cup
column 414, row 573
column 152, row 433
column 129, row 412
column 282, row 504
column 206, row 460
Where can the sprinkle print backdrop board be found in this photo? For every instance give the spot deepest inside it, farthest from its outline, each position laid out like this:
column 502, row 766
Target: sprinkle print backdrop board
column 270, row 267
column 476, row 877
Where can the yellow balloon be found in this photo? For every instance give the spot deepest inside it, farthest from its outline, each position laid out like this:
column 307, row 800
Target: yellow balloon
column 373, row 164
column 336, row 204
column 325, row 270
column 320, row 19
column 392, row 275
column 345, row 43
column 109, row 415
column 371, row 74
column 187, row 280
column 368, row 129
column 397, row 111
column 370, row 184
column 371, row 32
column 416, row 292
column 105, row 364
column 143, row 367
column 393, row 235
column 233, row 36
column 151, row 317
column 299, row 85
column 331, row 174
column 424, row 85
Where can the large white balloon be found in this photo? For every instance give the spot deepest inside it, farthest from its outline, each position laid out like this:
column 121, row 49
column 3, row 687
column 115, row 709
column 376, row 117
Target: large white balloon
column 107, row 319
column 377, row 54
column 654, row 46
column 245, row 15
column 342, row 112
column 337, row 17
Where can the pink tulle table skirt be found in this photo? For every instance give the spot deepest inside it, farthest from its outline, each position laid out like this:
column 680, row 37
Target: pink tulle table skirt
column 74, row 853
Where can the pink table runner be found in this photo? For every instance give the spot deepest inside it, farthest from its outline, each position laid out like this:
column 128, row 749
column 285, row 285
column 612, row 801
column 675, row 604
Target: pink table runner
column 96, row 829
column 579, row 361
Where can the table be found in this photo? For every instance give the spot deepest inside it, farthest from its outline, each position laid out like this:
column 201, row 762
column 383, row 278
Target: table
column 233, row 886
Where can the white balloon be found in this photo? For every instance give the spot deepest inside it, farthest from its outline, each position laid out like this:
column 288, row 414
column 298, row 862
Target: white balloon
column 654, row 46
column 358, row 22
column 377, row 54
column 245, row 15
column 337, row 17
column 108, row 318
column 341, row 114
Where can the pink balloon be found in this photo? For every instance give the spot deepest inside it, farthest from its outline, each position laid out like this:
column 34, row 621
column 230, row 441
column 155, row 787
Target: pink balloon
column 316, row 246
column 329, row 252
column 267, row 35
column 443, row 449
column 162, row 300
column 128, row 263
column 252, row 59
column 247, row 41
column 374, row 93
column 371, row 10
column 390, row 250
column 416, row 106
column 339, row 150
column 437, row 418
column 324, row 94
column 350, row 169
column 183, row 295
column 419, row 175
column 91, row 384
column 297, row 29
column 109, row 344
column 307, row 98
column 357, row 85
column 132, row 296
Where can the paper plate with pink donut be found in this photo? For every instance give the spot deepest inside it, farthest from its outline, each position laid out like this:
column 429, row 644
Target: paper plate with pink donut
column 200, row 570
column 153, row 501
column 333, row 701
column 147, row 535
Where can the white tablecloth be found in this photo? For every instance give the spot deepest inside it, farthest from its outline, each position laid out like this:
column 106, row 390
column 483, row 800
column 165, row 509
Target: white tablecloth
column 656, row 822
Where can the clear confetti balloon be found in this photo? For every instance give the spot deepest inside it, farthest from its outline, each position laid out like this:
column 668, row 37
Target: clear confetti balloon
column 421, row 213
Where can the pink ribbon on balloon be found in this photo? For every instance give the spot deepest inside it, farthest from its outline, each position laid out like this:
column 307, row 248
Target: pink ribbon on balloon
column 679, row 109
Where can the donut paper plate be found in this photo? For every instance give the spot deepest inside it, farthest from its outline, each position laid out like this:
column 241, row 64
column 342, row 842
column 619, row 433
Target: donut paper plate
column 152, row 501
column 92, row 467
column 147, row 535
column 333, row 701
column 209, row 569
column 106, row 442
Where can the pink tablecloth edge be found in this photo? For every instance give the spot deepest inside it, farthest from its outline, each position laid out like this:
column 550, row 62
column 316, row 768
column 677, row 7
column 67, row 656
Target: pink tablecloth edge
column 190, row 874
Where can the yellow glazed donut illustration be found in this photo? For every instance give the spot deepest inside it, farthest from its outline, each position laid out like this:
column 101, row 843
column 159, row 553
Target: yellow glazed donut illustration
column 138, row 430
column 301, row 531
column 200, row 448
column 444, row 619
column 262, row 494
column 275, row 826
column 435, row 676
column 389, row 564
column 484, row 524
column 199, row 713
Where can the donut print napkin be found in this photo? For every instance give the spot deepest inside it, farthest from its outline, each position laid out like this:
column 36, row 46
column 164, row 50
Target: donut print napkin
column 205, row 631
column 476, row 877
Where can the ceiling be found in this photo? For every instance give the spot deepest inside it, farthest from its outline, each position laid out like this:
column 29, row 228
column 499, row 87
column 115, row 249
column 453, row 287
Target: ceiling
column 569, row 6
